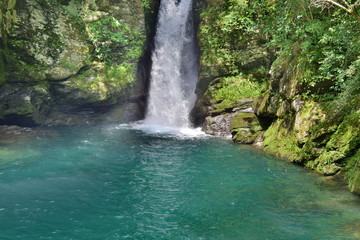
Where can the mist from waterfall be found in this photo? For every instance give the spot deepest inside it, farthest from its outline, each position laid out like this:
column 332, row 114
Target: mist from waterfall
column 174, row 71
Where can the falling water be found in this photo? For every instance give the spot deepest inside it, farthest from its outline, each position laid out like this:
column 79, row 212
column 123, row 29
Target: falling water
column 174, row 72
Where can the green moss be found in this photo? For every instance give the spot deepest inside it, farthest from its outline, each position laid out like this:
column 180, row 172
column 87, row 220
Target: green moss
column 123, row 74
column 243, row 120
column 310, row 115
column 21, row 71
column 353, row 172
column 120, row 75
column 281, row 142
column 101, row 85
column 245, row 127
column 347, row 137
column 326, row 162
column 230, row 89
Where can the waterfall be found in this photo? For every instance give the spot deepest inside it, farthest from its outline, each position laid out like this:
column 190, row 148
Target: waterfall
column 174, row 71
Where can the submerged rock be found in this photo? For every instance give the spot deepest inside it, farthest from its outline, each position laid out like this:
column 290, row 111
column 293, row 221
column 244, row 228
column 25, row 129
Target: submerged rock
column 12, row 134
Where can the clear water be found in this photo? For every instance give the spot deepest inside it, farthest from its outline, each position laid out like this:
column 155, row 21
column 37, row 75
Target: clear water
column 122, row 183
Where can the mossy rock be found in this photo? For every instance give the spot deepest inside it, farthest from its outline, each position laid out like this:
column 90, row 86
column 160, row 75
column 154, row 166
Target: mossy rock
column 96, row 87
column 326, row 163
column 229, row 107
column 352, row 172
column 328, row 169
column 280, row 141
column 347, row 137
column 245, row 127
column 307, row 116
column 267, row 105
column 49, row 41
column 244, row 120
column 24, row 106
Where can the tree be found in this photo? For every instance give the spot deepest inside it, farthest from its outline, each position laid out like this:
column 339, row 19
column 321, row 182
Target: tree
column 343, row 4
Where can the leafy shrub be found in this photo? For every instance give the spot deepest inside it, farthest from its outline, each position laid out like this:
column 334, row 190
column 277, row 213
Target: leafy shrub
column 230, row 89
column 114, row 41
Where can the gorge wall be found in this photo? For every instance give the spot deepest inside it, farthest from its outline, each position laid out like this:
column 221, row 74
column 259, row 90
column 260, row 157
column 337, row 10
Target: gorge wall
column 288, row 84
column 74, row 61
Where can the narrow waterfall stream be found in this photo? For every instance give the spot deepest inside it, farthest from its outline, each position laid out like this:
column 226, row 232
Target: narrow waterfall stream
column 174, row 72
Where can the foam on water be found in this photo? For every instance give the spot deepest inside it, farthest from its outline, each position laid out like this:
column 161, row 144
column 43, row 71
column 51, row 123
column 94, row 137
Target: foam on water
column 165, row 131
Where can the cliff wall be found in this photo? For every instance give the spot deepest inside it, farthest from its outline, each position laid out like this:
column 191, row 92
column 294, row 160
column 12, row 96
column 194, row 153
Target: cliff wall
column 286, row 83
column 74, row 61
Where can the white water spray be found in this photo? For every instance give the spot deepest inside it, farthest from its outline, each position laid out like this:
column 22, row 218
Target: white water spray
column 174, row 71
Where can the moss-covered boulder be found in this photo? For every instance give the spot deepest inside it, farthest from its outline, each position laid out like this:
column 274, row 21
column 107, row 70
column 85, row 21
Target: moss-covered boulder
column 309, row 114
column 280, row 141
column 346, row 139
column 343, row 143
column 24, row 105
column 47, row 42
column 97, row 87
column 352, row 170
column 60, row 44
column 245, row 127
column 227, row 95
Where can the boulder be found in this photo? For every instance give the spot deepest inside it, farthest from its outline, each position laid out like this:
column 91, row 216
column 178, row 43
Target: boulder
column 48, row 43
column 245, row 127
column 24, row 105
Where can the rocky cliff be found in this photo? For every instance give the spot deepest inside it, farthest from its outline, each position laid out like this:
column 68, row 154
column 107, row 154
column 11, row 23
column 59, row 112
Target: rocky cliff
column 275, row 86
column 74, row 61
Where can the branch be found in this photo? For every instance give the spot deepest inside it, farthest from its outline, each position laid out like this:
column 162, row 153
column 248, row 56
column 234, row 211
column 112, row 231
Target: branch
column 346, row 3
column 349, row 10
column 327, row 3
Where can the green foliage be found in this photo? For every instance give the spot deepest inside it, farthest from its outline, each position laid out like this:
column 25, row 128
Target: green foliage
column 327, row 41
column 123, row 74
column 231, row 89
column 115, row 41
column 146, row 4
column 227, row 27
column 7, row 17
column 7, row 21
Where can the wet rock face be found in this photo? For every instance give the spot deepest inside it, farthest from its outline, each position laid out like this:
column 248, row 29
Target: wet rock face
column 54, row 52
column 215, row 118
column 24, row 105
column 306, row 131
column 48, row 41
column 218, row 125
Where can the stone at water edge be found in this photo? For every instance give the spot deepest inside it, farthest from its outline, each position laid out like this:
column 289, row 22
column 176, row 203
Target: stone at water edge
column 245, row 127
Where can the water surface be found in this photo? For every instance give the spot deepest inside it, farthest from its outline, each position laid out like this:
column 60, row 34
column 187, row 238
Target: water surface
column 122, row 183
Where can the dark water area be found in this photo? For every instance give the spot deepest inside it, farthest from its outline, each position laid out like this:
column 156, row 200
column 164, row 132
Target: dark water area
column 124, row 183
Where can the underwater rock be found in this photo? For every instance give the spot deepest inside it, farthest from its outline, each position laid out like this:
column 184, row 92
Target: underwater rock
column 12, row 134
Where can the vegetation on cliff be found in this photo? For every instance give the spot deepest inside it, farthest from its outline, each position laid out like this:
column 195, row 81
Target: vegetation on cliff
column 81, row 55
column 307, row 53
